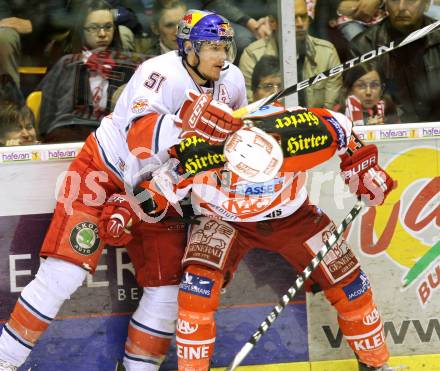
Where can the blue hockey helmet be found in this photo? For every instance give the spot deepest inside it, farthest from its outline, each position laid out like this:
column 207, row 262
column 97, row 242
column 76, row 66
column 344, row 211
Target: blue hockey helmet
column 200, row 26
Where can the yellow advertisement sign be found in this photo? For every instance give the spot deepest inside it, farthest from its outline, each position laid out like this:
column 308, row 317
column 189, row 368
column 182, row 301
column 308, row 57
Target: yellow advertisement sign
column 407, row 226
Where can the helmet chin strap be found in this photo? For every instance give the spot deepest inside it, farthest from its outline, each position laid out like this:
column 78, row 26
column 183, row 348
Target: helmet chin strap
column 195, row 68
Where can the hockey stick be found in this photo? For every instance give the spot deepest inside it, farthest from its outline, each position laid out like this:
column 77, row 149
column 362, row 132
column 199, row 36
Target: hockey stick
column 418, row 34
column 291, row 292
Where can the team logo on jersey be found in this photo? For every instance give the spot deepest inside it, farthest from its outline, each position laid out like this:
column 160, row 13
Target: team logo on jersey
column 139, row 105
column 84, row 238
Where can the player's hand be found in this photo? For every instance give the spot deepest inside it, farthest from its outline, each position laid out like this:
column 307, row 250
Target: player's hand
column 365, row 177
column 206, row 118
column 116, row 219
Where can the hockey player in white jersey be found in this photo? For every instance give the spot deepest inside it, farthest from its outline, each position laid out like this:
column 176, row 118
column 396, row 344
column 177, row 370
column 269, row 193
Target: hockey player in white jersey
column 150, row 116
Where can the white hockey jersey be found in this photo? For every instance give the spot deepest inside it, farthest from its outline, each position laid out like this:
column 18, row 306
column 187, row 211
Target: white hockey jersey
column 158, row 86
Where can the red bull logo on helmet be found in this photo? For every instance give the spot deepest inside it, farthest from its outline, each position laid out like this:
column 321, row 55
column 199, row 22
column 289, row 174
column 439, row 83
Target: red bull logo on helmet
column 226, row 30
column 191, row 19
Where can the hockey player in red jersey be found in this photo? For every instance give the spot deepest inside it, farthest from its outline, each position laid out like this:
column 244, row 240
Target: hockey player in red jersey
column 257, row 186
column 120, row 155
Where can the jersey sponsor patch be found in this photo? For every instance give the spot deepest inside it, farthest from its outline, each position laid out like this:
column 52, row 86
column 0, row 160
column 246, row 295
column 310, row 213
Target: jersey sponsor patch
column 196, row 156
column 257, row 189
column 84, row 238
column 358, row 287
column 247, row 205
column 197, row 285
column 340, row 260
column 371, row 318
column 300, row 132
column 209, row 243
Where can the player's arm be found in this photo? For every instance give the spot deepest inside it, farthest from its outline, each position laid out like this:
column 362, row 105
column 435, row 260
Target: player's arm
column 199, row 116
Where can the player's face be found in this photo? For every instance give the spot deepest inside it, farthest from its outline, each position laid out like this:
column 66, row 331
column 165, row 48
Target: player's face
column 98, row 29
column 406, row 15
column 168, row 25
column 368, row 89
column 213, row 56
column 268, row 85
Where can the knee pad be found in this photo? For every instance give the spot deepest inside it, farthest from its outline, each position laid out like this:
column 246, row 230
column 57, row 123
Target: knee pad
column 359, row 318
column 41, row 299
column 55, row 281
column 199, row 297
column 151, row 328
column 158, row 308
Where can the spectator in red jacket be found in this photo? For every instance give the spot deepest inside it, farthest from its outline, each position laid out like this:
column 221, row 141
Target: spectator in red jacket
column 364, row 100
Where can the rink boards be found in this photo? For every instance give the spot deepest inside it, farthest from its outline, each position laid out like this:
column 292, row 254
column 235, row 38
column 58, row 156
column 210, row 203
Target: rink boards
column 400, row 239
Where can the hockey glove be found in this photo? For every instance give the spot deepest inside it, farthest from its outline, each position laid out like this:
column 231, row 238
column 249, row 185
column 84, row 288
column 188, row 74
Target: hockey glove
column 206, row 118
column 365, row 177
column 121, row 212
column 116, row 220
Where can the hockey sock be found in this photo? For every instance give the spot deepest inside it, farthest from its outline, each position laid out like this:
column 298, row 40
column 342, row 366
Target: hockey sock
column 359, row 318
column 199, row 297
column 36, row 307
column 151, row 329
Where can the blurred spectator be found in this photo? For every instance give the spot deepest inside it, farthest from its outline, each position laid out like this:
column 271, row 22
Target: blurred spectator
column 124, row 18
column 247, row 28
column 166, row 16
column 9, row 91
column 313, row 56
column 266, row 77
column 411, row 72
column 77, row 91
column 354, row 16
column 364, row 100
column 26, row 28
column 16, row 125
column 249, row 19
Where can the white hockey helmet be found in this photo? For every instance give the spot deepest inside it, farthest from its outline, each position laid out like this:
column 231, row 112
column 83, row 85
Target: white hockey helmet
column 253, row 155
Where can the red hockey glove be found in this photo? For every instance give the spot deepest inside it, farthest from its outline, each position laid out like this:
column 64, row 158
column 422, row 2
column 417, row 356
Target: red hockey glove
column 116, row 219
column 119, row 214
column 365, row 177
column 206, row 118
